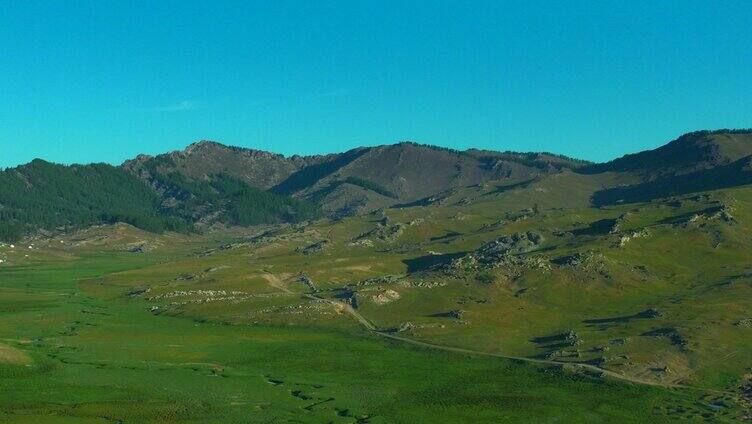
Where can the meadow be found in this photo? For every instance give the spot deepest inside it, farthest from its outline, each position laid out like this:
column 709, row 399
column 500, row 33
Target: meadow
column 114, row 324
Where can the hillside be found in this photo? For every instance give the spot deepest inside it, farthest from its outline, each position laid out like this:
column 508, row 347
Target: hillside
column 356, row 181
column 203, row 159
column 42, row 195
column 697, row 161
column 406, row 172
column 342, row 184
column 727, row 175
column 691, row 152
column 543, row 288
column 209, row 184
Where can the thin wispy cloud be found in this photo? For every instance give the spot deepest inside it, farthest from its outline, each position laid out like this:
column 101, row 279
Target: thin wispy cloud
column 178, row 107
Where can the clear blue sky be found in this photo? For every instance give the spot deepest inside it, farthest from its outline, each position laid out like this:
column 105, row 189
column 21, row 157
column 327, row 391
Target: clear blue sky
column 85, row 81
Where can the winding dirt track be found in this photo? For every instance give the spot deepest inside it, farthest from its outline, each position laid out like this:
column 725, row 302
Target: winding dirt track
column 368, row 325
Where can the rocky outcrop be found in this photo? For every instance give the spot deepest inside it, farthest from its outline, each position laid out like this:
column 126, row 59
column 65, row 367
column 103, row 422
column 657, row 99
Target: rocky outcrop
column 385, row 297
column 514, row 244
column 313, row 248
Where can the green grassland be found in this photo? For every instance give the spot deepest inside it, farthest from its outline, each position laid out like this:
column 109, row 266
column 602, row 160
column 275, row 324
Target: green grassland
column 113, row 324
column 88, row 358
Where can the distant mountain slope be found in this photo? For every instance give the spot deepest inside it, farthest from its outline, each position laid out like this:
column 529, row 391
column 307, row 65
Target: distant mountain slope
column 386, row 175
column 723, row 176
column 312, row 174
column 697, row 161
column 42, row 195
column 45, row 196
column 689, row 153
column 205, row 158
column 209, row 183
column 354, row 181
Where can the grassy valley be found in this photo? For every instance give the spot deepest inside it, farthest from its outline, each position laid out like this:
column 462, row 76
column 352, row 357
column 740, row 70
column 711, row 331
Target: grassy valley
column 515, row 296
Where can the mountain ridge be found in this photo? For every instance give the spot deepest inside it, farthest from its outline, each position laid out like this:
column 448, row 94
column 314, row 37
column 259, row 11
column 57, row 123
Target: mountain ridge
column 687, row 153
column 408, row 170
column 204, row 183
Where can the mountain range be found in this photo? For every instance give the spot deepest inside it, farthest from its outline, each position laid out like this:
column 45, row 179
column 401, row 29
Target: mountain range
column 209, row 184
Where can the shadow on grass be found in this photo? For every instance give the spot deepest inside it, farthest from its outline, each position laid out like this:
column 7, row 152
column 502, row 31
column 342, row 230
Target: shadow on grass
column 424, row 263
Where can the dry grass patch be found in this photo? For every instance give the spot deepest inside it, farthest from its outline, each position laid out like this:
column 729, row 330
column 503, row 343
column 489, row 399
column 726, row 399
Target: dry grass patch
column 13, row 356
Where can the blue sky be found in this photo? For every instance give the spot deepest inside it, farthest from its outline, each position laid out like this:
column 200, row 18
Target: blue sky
column 84, row 81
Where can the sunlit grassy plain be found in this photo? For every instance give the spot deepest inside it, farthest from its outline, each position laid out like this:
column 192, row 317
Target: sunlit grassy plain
column 216, row 328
